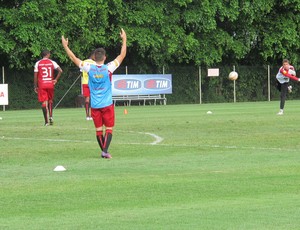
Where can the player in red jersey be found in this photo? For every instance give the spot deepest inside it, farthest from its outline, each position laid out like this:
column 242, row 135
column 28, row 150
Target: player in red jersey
column 44, row 83
column 285, row 73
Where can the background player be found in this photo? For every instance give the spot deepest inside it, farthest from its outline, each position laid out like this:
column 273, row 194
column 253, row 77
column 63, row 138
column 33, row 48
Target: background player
column 102, row 106
column 85, row 88
column 285, row 73
column 44, row 82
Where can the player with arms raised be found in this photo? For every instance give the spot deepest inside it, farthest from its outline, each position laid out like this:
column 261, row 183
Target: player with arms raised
column 102, row 107
column 44, row 83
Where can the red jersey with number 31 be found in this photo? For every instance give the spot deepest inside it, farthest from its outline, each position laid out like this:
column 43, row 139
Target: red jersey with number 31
column 45, row 72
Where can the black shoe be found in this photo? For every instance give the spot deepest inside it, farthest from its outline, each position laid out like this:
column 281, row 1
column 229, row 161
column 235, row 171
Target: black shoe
column 51, row 120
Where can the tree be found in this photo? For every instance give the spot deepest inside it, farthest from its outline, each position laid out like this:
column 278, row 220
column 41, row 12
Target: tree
column 160, row 33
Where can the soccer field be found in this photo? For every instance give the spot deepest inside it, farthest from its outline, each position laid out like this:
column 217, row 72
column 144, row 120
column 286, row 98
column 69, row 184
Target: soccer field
column 173, row 167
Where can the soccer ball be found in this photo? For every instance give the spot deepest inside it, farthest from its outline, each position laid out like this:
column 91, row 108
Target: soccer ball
column 233, row 76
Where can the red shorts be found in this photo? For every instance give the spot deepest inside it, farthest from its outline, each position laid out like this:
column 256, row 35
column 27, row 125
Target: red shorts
column 45, row 94
column 104, row 116
column 85, row 90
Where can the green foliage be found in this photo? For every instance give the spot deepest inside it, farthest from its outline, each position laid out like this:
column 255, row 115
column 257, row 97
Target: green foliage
column 160, row 33
column 21, row 93
column 185, row 85
column 31, row 29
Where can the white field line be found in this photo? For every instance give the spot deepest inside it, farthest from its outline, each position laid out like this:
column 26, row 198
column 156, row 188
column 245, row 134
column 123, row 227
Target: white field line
column 157, row 142
column 157, row 139
column 44, row 139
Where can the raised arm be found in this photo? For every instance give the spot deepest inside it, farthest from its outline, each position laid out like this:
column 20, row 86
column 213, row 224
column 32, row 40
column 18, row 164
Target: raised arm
column 65, row 43
column 122, row 55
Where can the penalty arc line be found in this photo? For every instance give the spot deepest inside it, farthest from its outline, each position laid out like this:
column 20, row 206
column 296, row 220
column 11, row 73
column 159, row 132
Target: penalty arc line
column 157, row 139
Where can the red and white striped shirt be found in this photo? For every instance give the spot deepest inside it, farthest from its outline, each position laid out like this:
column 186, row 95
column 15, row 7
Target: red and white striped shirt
column 45, row 72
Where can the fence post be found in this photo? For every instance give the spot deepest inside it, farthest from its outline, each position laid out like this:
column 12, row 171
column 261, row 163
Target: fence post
column 269, row 84
column 164, row 95
column 200, row 83
column 3, row 83
column 234, row 93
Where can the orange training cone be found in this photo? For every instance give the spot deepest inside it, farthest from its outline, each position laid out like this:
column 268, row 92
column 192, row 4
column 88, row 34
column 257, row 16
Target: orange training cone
column 125, row 111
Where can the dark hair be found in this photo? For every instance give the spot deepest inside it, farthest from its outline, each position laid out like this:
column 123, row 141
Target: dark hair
column 45, row 53
column 91, row 55
column 285, row 61
column 99, row 54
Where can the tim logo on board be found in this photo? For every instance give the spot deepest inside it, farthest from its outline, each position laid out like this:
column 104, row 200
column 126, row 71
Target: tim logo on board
column 159, row 84
column 127, row 84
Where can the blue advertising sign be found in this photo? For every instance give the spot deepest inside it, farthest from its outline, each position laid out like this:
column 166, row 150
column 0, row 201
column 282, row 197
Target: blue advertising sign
column 141, row 84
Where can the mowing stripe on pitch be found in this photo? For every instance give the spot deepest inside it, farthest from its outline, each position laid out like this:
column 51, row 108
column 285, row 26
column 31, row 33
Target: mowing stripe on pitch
column 157, row 142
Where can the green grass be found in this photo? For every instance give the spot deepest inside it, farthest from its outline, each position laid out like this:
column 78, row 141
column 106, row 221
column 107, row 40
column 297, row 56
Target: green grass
column 237, row 168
